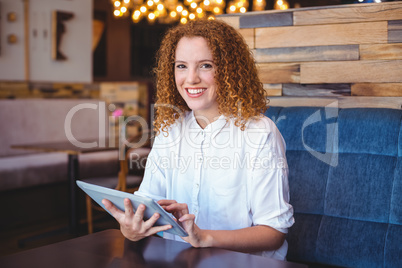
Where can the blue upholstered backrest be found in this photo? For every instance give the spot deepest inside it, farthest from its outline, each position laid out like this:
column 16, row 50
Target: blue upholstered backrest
column 345, row 176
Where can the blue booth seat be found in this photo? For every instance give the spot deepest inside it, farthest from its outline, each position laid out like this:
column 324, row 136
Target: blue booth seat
column 345, row 176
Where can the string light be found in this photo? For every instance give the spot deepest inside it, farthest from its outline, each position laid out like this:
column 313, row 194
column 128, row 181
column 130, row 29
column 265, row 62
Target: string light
column 281, row 4
column 168, row 11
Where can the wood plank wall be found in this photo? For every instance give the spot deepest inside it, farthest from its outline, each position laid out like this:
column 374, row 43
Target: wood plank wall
column 345, row 50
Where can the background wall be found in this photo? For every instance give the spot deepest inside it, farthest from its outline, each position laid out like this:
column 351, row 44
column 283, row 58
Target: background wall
column 75, row 44
column 327, row 51
column 12, row 56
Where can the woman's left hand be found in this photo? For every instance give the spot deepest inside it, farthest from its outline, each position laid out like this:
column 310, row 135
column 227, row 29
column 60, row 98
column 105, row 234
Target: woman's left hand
column 180, row 211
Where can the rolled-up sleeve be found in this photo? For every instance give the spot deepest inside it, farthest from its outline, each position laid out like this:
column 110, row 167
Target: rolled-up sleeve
column 269, row 185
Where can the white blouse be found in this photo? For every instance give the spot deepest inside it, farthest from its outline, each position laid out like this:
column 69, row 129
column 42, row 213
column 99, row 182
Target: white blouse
column 229, row 178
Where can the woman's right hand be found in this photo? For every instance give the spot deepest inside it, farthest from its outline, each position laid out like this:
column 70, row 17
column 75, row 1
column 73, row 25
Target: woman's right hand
column 132, row 225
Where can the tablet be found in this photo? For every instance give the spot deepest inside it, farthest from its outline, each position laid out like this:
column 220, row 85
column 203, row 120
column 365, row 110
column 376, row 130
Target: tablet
column 97, row 193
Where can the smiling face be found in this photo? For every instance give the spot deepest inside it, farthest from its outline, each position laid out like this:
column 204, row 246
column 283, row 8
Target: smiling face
column 194, row 72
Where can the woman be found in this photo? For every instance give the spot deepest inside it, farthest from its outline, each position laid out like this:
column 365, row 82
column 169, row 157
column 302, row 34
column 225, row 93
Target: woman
column 217, row 163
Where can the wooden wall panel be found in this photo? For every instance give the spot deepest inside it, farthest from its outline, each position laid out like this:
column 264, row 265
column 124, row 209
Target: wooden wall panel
column 376, row 89
column 373, row 102
column 272, row 19
column 233, row 21
column 273, row 89
column 274, row 73
column 328, row 90
column 328, row 51
column 248, row 35
column 318, row 53
column 340, row 102
column 395, row 31
column 385, row 71
column 349, row 13
column 322, row 35
column 381, row 52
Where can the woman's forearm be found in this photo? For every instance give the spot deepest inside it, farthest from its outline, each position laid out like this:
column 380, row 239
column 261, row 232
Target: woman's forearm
column 251, row 239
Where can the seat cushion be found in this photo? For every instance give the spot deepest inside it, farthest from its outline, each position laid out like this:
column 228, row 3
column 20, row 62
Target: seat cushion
column 31, row 170
column 46, row 168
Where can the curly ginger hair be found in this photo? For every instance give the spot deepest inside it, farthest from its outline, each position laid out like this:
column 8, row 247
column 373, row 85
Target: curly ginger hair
column 240, row 94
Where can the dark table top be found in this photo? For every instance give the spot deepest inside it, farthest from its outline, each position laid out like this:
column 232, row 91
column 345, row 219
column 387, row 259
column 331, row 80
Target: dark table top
column 110, row 249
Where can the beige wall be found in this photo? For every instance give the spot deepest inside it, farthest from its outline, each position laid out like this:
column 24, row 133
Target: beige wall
column 12, row 56
column 30, row 59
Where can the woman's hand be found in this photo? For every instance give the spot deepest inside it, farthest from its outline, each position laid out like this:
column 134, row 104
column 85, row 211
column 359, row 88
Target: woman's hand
column 196, row 237
column 250, row 239
column 132, row 225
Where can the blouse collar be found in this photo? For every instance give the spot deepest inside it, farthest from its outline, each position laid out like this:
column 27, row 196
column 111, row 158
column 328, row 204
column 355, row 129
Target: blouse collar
column 212, row 129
